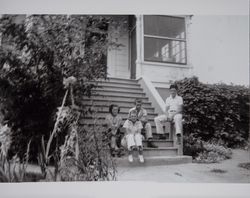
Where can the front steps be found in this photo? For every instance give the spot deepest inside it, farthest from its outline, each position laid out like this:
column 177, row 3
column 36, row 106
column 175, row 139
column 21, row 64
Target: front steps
column 123, row 92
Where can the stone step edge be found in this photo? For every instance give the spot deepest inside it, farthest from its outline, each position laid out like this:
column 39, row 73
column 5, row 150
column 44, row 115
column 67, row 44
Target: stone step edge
column 153, row 161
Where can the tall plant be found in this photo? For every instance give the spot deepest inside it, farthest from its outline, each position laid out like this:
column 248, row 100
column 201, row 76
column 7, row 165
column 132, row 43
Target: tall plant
column 37, row 52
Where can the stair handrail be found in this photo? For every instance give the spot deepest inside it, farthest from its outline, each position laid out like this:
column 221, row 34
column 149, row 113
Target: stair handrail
column 153, row 94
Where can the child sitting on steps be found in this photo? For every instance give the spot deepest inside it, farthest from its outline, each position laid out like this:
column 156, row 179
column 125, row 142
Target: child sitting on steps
column 113, row 121
column 133, row 137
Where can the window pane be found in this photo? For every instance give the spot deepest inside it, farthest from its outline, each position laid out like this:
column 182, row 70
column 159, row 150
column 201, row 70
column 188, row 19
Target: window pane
column 164, row 50
column 173, row 27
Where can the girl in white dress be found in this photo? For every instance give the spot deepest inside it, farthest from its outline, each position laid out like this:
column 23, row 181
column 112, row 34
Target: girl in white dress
column 133, row 136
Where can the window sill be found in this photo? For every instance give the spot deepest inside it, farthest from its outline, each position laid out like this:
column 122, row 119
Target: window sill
column 187, row 66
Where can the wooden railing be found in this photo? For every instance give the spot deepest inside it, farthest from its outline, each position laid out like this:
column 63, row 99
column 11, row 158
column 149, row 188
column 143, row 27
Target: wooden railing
column 172, row 136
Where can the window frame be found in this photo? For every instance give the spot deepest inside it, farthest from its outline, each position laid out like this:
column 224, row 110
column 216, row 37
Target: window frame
column 165, row 38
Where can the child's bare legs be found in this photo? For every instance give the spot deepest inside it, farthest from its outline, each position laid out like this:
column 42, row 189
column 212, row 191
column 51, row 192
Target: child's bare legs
column 135, row 141
column 140, row 150
column 138, row 141
column 131, row 145
column 113, row 143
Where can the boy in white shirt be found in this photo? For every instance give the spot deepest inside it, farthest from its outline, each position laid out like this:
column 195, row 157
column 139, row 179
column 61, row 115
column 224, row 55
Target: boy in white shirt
column 133, row 136
column 173, row 113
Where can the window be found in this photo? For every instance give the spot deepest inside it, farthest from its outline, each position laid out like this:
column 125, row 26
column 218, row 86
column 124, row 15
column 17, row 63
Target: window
column 164, row 39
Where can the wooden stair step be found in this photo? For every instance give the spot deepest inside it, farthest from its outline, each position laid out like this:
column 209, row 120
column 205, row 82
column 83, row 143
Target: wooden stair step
column 123, row 108
column 160, row 143
column 98, row 101
column 100, row 120
column 124, row 114
column 160, row 151
column 119, row 80
column 118, row 84
column 153, row 161
column 106, row 92
column 113, row 97
column 118, row 88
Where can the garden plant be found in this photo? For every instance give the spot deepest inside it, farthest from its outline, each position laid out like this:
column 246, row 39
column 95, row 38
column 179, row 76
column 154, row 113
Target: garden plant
column 47, row 64
column 216, row 119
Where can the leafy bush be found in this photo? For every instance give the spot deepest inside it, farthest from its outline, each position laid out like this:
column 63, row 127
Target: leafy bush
column 85, row 155
column 192, row 146
column 205, row 152
column 11, row 170
column 213, row 153
column 219, row 112
column 221, row 150
column 37, row 53
column 245, row 165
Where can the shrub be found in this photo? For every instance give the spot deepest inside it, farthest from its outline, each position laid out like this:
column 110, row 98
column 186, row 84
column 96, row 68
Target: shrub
column 85, row 155
column 213, row 153
column 192, row 146
column 35, row 56
column 245, row 165
column 216, row 111
column 11, row 169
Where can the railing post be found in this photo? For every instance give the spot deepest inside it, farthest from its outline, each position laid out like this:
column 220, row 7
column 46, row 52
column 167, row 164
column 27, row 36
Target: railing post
column 172, row 136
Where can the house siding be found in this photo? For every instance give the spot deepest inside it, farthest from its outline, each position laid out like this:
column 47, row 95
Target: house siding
column 118, row 57
column 164, row 73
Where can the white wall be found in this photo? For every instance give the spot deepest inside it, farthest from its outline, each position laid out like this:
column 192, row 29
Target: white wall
column 163, row 73
column 118, row 58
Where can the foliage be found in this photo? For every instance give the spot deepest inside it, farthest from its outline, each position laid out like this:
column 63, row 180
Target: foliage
column 192, row 146
column 11, row 170
column 85, row 155
column 218, row 111
column 37, row 53
column 5, row 139
column 69, row 156
column 98, row 166
column 245, row 165
column 213, row 153
column 205, row 152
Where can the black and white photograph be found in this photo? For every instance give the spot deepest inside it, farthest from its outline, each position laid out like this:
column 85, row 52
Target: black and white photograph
column 125, row 98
